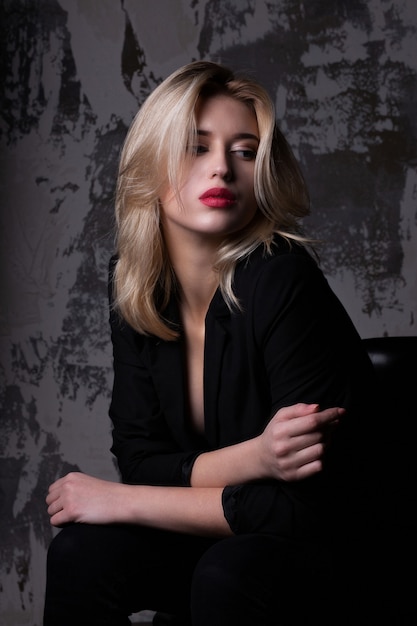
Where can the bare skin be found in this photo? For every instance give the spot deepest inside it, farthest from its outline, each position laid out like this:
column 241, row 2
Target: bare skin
column 292, row 444
column 290, row 448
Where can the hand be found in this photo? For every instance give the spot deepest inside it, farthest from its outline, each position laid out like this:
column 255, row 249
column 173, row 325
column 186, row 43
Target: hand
column 293, row 443
column 81, row 498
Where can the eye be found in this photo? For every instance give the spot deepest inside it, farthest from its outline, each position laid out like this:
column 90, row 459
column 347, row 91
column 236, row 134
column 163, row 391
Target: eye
column 198, row 149
column 247, row 154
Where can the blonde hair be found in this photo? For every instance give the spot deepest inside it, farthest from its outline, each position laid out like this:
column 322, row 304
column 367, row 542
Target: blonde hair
column 154, row 155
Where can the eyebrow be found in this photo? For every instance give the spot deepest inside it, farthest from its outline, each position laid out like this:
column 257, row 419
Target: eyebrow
column 207, row 133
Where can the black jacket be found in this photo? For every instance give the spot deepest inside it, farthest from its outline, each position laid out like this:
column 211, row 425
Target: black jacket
column 291, row 342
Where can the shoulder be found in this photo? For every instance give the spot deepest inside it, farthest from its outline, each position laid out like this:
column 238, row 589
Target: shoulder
column 287, row 263
column 282, row 252
column 285, row 285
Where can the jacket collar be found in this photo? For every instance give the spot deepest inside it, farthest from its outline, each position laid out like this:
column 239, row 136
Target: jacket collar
column 167, row 358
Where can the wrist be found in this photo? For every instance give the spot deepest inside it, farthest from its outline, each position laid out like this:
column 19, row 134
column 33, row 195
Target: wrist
column 260, row 466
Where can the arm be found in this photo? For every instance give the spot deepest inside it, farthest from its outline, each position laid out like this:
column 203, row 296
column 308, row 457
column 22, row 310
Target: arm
column 85, row 499
column 312, row 353
column 81, row 498
column 290, row 448
column 304, row 338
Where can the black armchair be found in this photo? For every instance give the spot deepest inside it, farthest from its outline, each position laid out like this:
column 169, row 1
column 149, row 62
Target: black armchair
column 388, row 565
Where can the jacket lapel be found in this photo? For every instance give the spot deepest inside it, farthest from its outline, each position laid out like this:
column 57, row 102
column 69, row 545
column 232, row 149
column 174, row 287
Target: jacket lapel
column 167, row 362
column 217, row 337
column 168, row 373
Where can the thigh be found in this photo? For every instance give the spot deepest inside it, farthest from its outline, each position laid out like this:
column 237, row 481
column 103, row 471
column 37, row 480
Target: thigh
column 101, row 574
column 263, row 580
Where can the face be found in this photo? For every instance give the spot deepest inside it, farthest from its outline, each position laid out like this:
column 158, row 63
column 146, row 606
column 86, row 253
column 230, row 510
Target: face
column 217, row 196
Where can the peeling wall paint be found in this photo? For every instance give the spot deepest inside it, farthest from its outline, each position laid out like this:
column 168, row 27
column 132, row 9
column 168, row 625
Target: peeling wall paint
column 343, row 75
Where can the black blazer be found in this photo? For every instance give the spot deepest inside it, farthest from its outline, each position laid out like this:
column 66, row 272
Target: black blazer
column 292, row 341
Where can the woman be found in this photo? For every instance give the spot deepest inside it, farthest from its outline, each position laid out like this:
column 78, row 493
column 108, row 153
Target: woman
column 237, row 382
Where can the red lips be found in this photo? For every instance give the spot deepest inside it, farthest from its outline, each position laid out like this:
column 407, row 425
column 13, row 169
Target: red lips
column 218, row 197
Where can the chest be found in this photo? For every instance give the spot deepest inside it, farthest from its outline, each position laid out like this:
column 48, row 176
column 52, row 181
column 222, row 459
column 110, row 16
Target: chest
column 215, row 385
column 226, row 388
column 194, row 341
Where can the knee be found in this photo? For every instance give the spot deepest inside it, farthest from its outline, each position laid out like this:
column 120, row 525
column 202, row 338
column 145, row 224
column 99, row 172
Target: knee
column 63, row 554
column 74, row 550
column 63, row 547
column 249, row 580
column 219, row 591
column 214, row 578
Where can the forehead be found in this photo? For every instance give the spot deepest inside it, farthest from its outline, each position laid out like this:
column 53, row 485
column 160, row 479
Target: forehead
column 225, row 112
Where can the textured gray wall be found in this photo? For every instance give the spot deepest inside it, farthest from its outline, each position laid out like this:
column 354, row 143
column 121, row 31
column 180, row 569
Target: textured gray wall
column 343, row 74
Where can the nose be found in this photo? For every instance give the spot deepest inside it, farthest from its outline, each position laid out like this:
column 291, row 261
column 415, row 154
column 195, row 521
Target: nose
column 220, row 166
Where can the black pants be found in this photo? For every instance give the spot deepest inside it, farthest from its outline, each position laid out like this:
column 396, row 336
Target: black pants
column 98, row 575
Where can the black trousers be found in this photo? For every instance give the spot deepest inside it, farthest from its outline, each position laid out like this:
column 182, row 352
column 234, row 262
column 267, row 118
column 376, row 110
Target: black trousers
column 98, row 575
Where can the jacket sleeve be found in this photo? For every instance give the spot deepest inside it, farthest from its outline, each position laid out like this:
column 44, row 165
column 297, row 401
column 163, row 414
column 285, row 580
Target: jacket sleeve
column 311, row 353
column 146, row 450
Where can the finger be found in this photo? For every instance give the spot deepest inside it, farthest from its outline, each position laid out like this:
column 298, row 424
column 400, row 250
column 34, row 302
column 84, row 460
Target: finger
column 309, row 454
column 309, row 469
column 59, row 519
column 307, row 424
column 52, row 496
column 56, row 485
column 296, row 410
column 54, row 508
column 307, row 440
column 321, row 419
column 331, row 413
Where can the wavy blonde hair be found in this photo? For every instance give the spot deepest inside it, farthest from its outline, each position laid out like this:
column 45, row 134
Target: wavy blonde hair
column 155, row 154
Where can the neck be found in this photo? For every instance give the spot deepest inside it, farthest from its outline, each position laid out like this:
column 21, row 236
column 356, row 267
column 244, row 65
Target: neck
column 193, row 263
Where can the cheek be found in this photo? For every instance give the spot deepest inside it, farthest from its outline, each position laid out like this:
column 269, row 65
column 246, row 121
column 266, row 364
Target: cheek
column 251, row 195
column 166, row 195
column 253, row 208
column 168, row 206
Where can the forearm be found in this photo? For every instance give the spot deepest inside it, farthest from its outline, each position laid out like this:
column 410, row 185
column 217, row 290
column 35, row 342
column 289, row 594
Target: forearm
column 232, row 465
column 290, row 448
column 180, row 509
column 85, row 499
